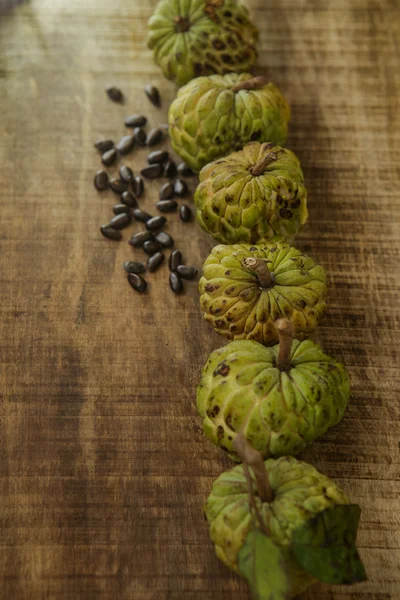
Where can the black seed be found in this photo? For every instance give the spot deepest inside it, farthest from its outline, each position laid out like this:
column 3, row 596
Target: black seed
column 109, row 157
column 110, row 233
column 131, row 266
column 155, row 223
column 138, row 186
column 120, row 221
column 138, row 283
column 180, row 188
column 141, row 215
column 118, row 186
column 154, row 137
column 152, row 171
column 185, row 213
column 138, row 239
column 115, row 94
column 125, row 144
column 155, row 261
column 157, row 156
column 164, row 239
column 140, row 136
column 175, row 283
column 126, row 174
column 151, row 247
column 101, row 181
column 184, row 170
column 167, row 205
column 170, row 169
column 118, row 209
column 104, row 145
column 153, row 94
column 175, row 259
column 166, row 191
column 129, row 199
column 186, row 272
column 135, row 121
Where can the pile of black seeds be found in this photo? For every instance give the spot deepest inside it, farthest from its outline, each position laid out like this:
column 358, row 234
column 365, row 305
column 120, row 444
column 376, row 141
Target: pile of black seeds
column 129, row 188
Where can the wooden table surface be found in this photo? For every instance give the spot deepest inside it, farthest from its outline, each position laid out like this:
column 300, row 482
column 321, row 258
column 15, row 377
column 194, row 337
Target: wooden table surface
column 103, row 464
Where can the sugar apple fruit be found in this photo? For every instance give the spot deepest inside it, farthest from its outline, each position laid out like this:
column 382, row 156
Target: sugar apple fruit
column 211, row 116
column 245, row 289
column 201, row 37
column 256, row 194
column 281, row 398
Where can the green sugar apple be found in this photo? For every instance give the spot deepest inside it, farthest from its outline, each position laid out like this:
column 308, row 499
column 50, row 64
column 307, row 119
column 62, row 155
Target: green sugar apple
column 190, row 38
column 245, row 289
column 256, row 194
column 211, row 116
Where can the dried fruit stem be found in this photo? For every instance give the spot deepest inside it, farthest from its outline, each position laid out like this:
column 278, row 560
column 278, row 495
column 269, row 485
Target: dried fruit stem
column 263, row 163
column 286, row 334
column 252, row 458
column 181, row 24
column 250, row 84
column 259, row 267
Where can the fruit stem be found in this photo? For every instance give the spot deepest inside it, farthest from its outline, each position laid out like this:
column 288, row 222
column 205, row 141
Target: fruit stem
column 259, row 267
column 253, row 458
column 286, row 334
column 267, row 159
column 250, row 84
column 182, row 24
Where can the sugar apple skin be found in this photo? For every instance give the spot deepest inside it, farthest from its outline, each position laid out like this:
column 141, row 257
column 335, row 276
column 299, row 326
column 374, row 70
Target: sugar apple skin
column 235, row 304
column 234, row 205
column 208, row 118
column 279, row 412
column 300, row 493
column 201, row 37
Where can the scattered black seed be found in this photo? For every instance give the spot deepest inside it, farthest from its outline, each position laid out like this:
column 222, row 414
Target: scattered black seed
column 129, row 199
column 184, row 170
column 101, row 181
column 138, row 239
column 153, row 94
column 111, row 233
column 118, row 186
column 157, row 156
column 164, row 239
column 104, row 145
column 186, row 272
column 175, row 283
column 138, row 283
column 151, row 247
column 109, row 157
column 154, row 137
column 132, row 266
column 185, row 213
column 167, row 205
column 140, row 136
column 115, row 94
column 152, row 171
column 135, row 121
column 175, row 259
column 138, row 186
column 155, row 223
column 141, row 215
column 126, row 174
column 125, row 144
column 118, row 209
column 120, row 221
column 170, row 169
column 155, row 261
column 180, row 188
column 166, row 191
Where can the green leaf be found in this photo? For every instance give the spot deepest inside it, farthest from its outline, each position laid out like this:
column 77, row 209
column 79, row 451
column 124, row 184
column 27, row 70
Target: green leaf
column 325, row 545
column 263, row 564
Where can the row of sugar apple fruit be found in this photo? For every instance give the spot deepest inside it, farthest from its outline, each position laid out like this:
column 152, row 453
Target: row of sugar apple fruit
column 270, row 392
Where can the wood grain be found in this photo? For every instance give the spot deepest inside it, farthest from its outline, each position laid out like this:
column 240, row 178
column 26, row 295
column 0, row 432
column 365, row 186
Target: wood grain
column 103, row 466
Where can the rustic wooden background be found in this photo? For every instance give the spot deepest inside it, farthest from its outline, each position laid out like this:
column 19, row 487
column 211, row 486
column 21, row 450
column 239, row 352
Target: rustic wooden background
column 102, row 461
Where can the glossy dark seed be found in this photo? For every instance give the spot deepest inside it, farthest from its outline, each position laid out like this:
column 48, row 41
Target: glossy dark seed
column 138, row 186
column 151, row 247
column 126, row 174
column 170, row 169
column 184, row 170
column 180, row 188
column 138, row 283
column 164, row 239
column 104, row 145
column 138, row 239
column 175, row 259
column 152, row 171
column 154, row 137
column 110, row 233
column 153, row 94
column 175, row 283
column 120, row 221
column 132, row 266
column 109, row 157
column 129, row 199
column 140, row 136
column 186, row 272
column 118, row 186
column 155, row 223
column 115, row 94
column 135, row 121
column 157, row 156
column 118, row 209
column 166, row 191
column 167, row 205
column 155, row 261
column 101, row 181
column 141, row 215
column 185, row 213
column 125, row 144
